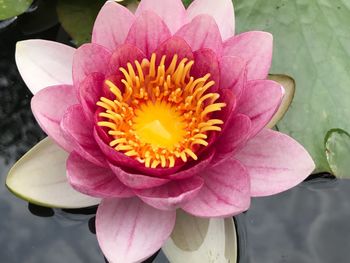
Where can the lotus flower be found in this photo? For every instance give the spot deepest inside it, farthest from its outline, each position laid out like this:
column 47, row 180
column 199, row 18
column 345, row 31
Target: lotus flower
column 166, row 109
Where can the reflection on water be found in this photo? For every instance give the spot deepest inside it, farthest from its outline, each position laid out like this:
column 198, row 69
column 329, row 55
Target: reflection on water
column 309, row 223
column 306, row 224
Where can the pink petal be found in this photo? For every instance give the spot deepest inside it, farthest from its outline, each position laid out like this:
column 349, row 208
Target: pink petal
column 171, row 195
column 122, row 56
column 206, row 62
column 275, row 162
column 260, row 102
column 49, row 106
column 137, row 181
column 225, row 191
column 202, row 32
column 171, row 11
column 195, row 168
column 222, row 11
column 148, row 32
column 112, row 25
column 93, row 180
column 89, row 58
column 174, row 46
column 44, row 63
column 131, row 231
column 89, row 93
column 236, row 134
column 256, row 48
column 80, row 133
column 232, row 74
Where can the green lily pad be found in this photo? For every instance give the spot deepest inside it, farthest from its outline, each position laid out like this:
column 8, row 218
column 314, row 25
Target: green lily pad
column 289, row 88
column 11, row 8
column 337, row 145
column 311, row 43
column 187, row 2
column 39, row 177
column 77, row 18
column 201, row 240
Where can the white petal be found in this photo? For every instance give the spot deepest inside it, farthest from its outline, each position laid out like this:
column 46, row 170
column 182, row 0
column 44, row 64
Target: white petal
column 40, row 178
column 44, row 63
column 202, row 240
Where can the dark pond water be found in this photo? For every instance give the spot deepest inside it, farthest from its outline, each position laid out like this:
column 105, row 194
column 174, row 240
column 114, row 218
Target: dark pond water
column 310, row 223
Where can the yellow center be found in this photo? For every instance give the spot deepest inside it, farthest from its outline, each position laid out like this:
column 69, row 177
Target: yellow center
column 160, row 115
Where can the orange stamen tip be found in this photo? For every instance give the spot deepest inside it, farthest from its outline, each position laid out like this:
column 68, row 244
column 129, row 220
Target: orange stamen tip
column 162, row 114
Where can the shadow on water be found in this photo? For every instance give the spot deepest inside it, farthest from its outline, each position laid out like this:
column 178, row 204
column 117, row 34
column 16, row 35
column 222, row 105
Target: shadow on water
column 309, row 223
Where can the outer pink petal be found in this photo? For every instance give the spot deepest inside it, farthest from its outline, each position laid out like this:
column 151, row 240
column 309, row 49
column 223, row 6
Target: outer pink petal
column 236, row 134
column 171, row 11
column 148, row 32
column 131, row 231
column 275, row 162
column 137, row 181
column 93, row 180
column 256, row 48
column 172, row 195
column 260, row 102
column 49, row 106
column 225, row 192
column 112, row 25
column 206, row 61
column 44, row 63
column 89, row 92
column 222, row 11
column 80, row 133
column 89, row 58
column 202, row 32
column 232, row 74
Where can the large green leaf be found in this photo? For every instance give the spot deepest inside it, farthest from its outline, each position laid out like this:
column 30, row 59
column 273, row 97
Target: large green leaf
column 11, row 8
column 312, row 44
column 78, row 16
column 337, row 145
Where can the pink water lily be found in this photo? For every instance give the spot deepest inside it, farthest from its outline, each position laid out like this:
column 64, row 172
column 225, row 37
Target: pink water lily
column 164, row 110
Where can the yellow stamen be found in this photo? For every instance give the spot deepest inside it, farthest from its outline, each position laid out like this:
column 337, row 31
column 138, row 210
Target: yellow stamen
column 161, row 115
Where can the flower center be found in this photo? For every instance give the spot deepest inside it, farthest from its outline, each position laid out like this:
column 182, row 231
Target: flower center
column 160, row 115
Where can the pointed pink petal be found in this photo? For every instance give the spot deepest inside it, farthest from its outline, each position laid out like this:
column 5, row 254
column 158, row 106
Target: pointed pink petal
column 89, row 93
column 122, row 56
column 49, row 106
column 232, row 74
column 148, row 32
column 225, row 191
column 112, row 25
column 256, row 48
column 202, row 32
column 171, row 11
column 235, row 134
column 171, row 195
column 130, row 231
column 137, row 181
column 174, row 46
column 206, row 61
column 44, row 63
column 260, row 101
column 80, row 133
column 93, row 180
column 222, row 11
column 89, row 58
column 195, row 168
column 275, row 162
